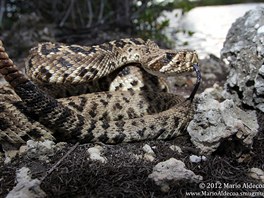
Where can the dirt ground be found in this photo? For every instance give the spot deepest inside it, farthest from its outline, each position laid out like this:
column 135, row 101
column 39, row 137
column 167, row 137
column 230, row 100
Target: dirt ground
column 125, row 176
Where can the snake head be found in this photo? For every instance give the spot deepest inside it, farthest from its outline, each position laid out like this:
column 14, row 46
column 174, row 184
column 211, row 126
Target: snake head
column 169, row 62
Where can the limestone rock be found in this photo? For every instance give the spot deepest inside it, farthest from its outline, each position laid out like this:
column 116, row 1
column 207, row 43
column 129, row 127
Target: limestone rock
column 172, row 172
column 217, row 119
column 197, row 159
column 40, row 150
column 26, row 187
column 149, row 154
column 176, row 148
column 259, row 87
column 257, row 174
column 244, row 50
column 95, row 154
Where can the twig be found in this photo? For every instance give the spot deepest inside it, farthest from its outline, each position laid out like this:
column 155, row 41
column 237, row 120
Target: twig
column 80, row 14
column 136, row 14
column 2, row 10
column 58, row 162
column 90, row 12
column 101, row 11
column 67, row 14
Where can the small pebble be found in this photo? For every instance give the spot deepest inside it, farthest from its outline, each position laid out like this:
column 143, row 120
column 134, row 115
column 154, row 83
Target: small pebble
column 197, row 159
column 95, row 154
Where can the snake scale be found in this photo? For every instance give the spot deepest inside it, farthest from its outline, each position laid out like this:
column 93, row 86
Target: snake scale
column 53, row 101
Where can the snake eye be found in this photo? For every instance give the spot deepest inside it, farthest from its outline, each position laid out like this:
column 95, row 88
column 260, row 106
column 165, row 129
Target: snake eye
column 170, row 56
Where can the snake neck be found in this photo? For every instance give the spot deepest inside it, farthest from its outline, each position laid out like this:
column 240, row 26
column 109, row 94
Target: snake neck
column 154, row 60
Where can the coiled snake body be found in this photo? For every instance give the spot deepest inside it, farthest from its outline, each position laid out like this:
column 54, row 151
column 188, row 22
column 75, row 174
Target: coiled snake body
column 128, row 107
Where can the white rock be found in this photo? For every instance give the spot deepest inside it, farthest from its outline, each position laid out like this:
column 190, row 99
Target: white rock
column 245, row 54
column 149, row 157
column 149, row 154
column 176, row 148
column 95, row 154
column 204, row 158
column 172, row 172
column 259, row 81
column 260, row 29
column 215, row 121
column 197, row 159
column 26, row 187
column 147, row 149
column 257, row 173
column 40, row 150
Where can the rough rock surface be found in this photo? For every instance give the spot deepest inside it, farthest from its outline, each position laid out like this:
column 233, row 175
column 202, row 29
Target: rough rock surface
column 259, row 86
column 148, row 153
column 244, row 50
column 217, row 119
column 41, row 150
column 197, row 159
column 95, row 154
column 257, row 174
column 171, row 172
column 26, row 187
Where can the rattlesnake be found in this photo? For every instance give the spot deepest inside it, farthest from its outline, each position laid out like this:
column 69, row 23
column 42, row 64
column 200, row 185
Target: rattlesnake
column 123, row 114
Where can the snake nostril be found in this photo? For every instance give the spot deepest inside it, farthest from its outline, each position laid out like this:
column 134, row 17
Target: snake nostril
column 170, row 56
column 178, row 62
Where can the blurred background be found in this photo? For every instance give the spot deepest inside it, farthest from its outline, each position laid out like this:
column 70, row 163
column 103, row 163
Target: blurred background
column 198, row 24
